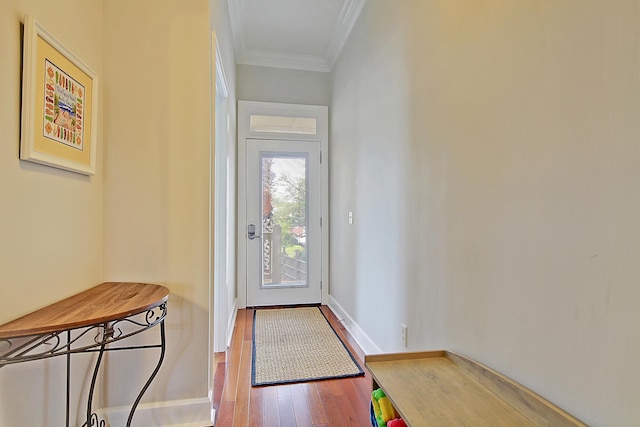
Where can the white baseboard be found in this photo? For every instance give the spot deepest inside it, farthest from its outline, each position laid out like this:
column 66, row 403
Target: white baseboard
column 173, row 413
column 364, row 341
column 232, row 321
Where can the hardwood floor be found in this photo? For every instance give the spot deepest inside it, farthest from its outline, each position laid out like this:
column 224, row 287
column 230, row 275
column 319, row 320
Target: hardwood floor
column 341, row 402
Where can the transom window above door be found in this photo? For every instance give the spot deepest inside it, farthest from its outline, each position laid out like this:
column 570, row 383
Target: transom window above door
column 282, row 124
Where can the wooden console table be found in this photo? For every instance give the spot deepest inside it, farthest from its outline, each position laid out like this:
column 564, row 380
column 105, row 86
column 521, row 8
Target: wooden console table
column 88, row 322
column 442, row 388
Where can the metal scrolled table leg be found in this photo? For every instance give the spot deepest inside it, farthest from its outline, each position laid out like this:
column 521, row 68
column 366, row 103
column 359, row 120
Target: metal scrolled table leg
column 153, row 374
column 90, row 415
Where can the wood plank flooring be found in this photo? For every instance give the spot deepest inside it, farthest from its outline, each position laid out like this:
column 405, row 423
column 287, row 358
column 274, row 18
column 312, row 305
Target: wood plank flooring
column 341, row 402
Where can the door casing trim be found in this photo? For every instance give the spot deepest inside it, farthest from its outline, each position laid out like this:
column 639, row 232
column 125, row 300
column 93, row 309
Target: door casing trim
column 321, row 114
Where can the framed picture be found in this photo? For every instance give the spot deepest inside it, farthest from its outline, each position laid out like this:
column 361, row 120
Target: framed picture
column 59, row 104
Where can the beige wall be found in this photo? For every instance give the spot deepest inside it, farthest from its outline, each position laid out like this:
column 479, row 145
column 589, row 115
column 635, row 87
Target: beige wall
column 142, row 217
column 157, row 118
column 489, row 151
column 50, row 220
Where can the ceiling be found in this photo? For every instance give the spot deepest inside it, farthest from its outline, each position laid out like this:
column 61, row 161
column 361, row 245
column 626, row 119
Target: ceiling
column 296, row 34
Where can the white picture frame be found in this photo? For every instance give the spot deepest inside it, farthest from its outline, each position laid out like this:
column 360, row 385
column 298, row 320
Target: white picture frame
column 59, row 104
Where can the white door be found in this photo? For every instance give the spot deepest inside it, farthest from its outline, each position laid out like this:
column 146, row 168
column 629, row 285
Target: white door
column 284, row 249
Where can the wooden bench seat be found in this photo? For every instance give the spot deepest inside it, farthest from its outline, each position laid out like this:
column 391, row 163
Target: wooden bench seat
column 442, row 388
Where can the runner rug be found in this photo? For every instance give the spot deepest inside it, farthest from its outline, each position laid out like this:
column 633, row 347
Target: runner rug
column 295, row 345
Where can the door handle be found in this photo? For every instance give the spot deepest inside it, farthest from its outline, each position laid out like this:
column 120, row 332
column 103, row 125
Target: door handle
column 251, row 232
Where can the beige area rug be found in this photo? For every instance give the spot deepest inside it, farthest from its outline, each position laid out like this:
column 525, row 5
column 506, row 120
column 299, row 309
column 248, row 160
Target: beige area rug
column 295, row 345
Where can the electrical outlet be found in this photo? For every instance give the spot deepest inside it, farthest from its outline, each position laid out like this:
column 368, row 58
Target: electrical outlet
column 403, row 328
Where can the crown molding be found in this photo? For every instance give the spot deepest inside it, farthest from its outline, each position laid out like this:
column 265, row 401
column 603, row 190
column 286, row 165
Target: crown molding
column 237, row 25
column 222, row 86
column 346, row 21
column 273, row 59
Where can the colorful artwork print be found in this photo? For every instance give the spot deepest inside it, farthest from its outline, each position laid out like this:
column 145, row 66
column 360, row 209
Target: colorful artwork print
column 63, row 107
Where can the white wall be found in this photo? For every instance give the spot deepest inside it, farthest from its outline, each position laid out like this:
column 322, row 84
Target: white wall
column 50, row 220
column 379, row 171
column 220, row 22
column 270, row 84
column 489, row 152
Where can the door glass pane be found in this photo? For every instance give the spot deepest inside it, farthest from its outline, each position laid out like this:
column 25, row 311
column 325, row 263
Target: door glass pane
column 284, row 219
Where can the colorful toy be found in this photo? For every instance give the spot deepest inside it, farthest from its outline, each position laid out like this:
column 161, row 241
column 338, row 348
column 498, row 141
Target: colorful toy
column 398, row 422
column 382, row 408
column 372, row 415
